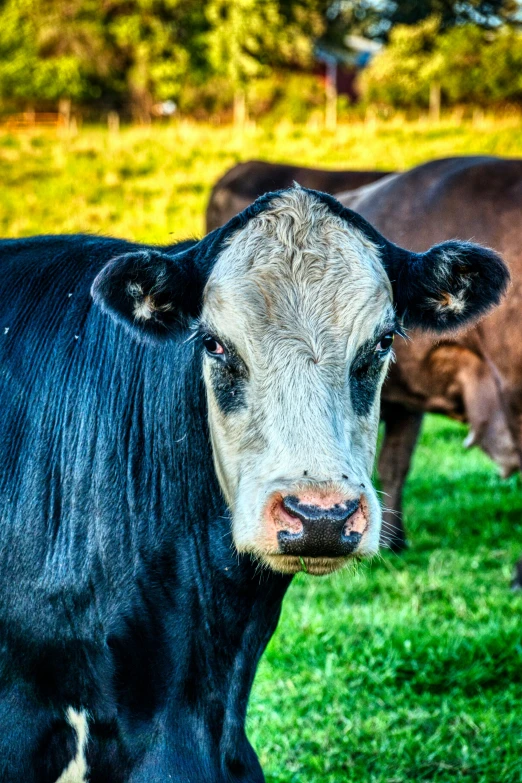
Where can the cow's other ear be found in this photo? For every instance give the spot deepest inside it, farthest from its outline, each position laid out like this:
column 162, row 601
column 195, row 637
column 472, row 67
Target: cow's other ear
column 151, row 293
column 448, row 286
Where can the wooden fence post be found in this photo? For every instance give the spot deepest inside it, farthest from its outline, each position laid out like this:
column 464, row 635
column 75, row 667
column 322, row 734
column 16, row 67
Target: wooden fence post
column 240, row 110
column 113, row 122
column 435, row 101
column 331, row 95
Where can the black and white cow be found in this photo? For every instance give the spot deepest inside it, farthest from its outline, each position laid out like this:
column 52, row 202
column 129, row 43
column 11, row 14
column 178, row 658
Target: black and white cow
column 181, row 430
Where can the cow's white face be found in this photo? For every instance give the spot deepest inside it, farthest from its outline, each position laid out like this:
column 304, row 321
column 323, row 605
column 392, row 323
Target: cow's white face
column 297, row 300
column 297, row 322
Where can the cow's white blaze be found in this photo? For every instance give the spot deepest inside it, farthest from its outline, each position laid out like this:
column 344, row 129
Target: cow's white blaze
column 76, row 771
column 296, row 294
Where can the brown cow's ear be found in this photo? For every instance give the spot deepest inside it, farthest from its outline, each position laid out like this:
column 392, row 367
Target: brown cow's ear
column 448, row 286
column 151, row 293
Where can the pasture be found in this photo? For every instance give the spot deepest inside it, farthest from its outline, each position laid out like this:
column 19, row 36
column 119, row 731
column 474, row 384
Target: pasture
column 408, row 668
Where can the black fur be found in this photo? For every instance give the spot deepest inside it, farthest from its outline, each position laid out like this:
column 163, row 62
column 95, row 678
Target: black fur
column 229, row 378
column 169, row 286
column 365, row 374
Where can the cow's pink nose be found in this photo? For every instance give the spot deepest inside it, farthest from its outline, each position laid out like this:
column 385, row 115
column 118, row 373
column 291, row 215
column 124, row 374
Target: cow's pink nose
column 310, row 527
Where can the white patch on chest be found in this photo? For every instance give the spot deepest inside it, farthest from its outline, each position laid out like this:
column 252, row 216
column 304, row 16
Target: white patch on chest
column 76, row 772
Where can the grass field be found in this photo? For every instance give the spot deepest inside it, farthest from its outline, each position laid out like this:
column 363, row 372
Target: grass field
column 152, row 185
column 409, row 669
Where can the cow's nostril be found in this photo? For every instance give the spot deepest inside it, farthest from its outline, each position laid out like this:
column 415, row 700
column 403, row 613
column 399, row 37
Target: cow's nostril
column 308, row 513
column 291, row 505
column 289, row 524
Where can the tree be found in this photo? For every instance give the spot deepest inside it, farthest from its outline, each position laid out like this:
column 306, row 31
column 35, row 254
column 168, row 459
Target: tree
column 400, row 75
column 481, row 68
column 471, row 65
column 38, row 56
column 250, row 38
column 155, row 44
column 134, row 51
column 484, row 13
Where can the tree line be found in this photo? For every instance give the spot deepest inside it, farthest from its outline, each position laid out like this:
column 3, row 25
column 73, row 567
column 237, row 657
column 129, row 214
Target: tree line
column 131, row 54
column 464, row 64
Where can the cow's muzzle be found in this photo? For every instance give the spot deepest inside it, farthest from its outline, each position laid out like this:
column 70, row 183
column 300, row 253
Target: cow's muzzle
column 315, row 533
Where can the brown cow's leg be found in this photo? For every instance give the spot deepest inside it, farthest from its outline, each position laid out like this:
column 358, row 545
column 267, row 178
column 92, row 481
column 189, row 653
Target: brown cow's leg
column 516, row 583
column 514, row 418
column 401, row 432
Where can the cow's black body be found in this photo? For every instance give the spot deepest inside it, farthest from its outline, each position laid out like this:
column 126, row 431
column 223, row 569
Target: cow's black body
column 120, row 590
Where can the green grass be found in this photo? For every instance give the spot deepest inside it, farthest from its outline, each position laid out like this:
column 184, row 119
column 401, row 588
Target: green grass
column 410, row 668
column 153, row 184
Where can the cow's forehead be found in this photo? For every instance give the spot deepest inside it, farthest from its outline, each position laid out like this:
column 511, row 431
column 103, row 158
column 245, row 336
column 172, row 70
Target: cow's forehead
column 299, row 267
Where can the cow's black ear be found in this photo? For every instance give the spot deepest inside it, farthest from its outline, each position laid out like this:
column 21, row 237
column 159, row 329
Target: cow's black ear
column 448, row 286
column 151, row 293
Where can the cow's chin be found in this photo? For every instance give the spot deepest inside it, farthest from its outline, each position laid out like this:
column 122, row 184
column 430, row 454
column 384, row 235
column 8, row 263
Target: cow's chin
column 315, row 566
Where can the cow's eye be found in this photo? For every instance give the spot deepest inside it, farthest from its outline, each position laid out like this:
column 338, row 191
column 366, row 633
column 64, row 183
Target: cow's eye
column 385, row 343
column 212, row 346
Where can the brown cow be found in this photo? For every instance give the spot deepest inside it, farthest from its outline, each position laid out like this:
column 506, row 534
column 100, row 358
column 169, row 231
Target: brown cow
column 439, row 377
column 242, row 184
column 477, row 198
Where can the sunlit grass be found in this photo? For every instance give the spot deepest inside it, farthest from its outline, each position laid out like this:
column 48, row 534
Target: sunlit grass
column 153, row 184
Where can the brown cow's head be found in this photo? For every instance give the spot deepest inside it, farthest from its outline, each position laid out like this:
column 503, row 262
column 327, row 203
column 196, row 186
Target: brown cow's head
column 295, row 303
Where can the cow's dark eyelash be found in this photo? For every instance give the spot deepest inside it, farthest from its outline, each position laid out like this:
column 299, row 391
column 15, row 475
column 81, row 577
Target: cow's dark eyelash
column 391, row 331
column 228, row 360
column 203, row 330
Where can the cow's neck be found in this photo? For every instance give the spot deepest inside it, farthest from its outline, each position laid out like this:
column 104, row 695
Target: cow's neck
column 208, row 614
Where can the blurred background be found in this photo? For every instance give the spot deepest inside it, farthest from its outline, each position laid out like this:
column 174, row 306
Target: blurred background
column 258, row 60
column 117, row 117
column 330, row 83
